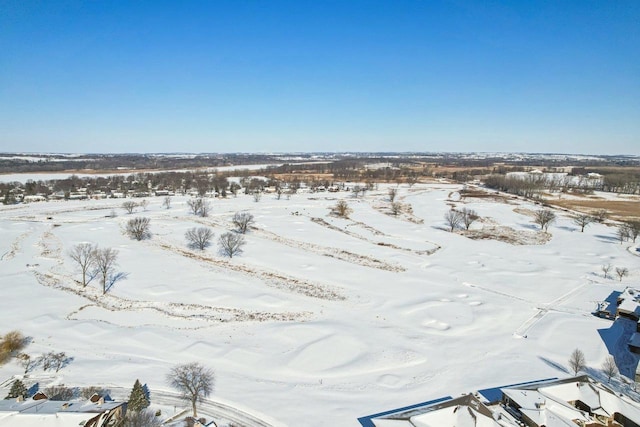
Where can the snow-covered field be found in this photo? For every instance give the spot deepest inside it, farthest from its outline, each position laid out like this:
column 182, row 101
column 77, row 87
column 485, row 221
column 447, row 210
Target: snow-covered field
column 321, row 319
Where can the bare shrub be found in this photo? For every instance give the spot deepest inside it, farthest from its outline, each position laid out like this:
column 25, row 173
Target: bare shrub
column 341, row 209
column 582, row 221
column 138, row 228
column 59, row 393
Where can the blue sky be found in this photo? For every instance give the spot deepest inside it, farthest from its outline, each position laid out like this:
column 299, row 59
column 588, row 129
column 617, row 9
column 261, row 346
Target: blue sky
column 274, row 76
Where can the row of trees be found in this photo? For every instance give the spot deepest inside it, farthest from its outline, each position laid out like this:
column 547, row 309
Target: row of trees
column 49, row 361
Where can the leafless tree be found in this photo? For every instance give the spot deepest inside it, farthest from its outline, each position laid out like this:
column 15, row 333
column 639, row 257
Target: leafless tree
column 633, row 228
column 199, row 237
column 341, row 209
column 27, row 362
column 582, row 221
column 129, row 206
column 605, row 269
column 138, row 228
column 609, row 367
column 193, row 381
column 242, row 220
column 453, row 219
column 577, row 361
column 144, row 418
column 600, row 215
column 411, row 180
column 396, row 208
column 199, row 206
column 393, row 192
column 257, row 195
column 469, row 216
column 166, row 202
column 622, row 272
column 83, row 255
column 59, row 360
column 622, row 233
column 544, row 218
column 143, row 204
column 231, row 244
column 356, row 190
column 59, row 393
column 106, row 261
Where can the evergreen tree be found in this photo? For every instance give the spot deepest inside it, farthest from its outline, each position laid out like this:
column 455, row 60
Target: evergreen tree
column 138, row 399
column 17, row 389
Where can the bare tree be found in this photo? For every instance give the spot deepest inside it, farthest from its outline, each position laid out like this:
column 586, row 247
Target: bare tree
column 605, row 269
column 231, row 244
column 622, row 272
column 582, row 221
column 27, row 362
column 633, row 228
column 144, row 418
column 577, row 361
column 453, row 219
column 193, row 381
column 622, row 233
column 341, row 209
column 257, row 195
column 600, row 215
column 393, row 192
column 129, row 206
column 166, row 202
column 469, row 216
column 396, row 208
column 138, row 228
column 143, row 204
column 83, row 255
column 199, row 206
column 242, row 220
column 59, row 360
column 106, row 261
column 544, row 218
column 609, row 367
column 199, row 237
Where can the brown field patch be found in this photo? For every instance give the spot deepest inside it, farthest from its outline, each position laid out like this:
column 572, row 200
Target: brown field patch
column 618, row 209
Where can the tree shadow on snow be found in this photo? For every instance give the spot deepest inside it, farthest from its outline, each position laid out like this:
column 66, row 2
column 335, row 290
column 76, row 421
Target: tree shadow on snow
column 616, row 339
column 116, row 278
column 554, row 365
column 532, row 227
column 607, row 238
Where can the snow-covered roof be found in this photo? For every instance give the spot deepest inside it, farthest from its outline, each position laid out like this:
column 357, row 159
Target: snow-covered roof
column 454, row 416
column 552, row 405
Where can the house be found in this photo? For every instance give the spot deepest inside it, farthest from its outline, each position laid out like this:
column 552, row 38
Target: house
column 570, row 402
column 42, row 412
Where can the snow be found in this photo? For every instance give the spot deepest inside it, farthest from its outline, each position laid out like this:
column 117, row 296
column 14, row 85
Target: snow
column 321, row 320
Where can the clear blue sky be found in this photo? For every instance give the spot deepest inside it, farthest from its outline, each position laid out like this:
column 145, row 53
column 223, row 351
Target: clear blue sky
column 273, row 76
